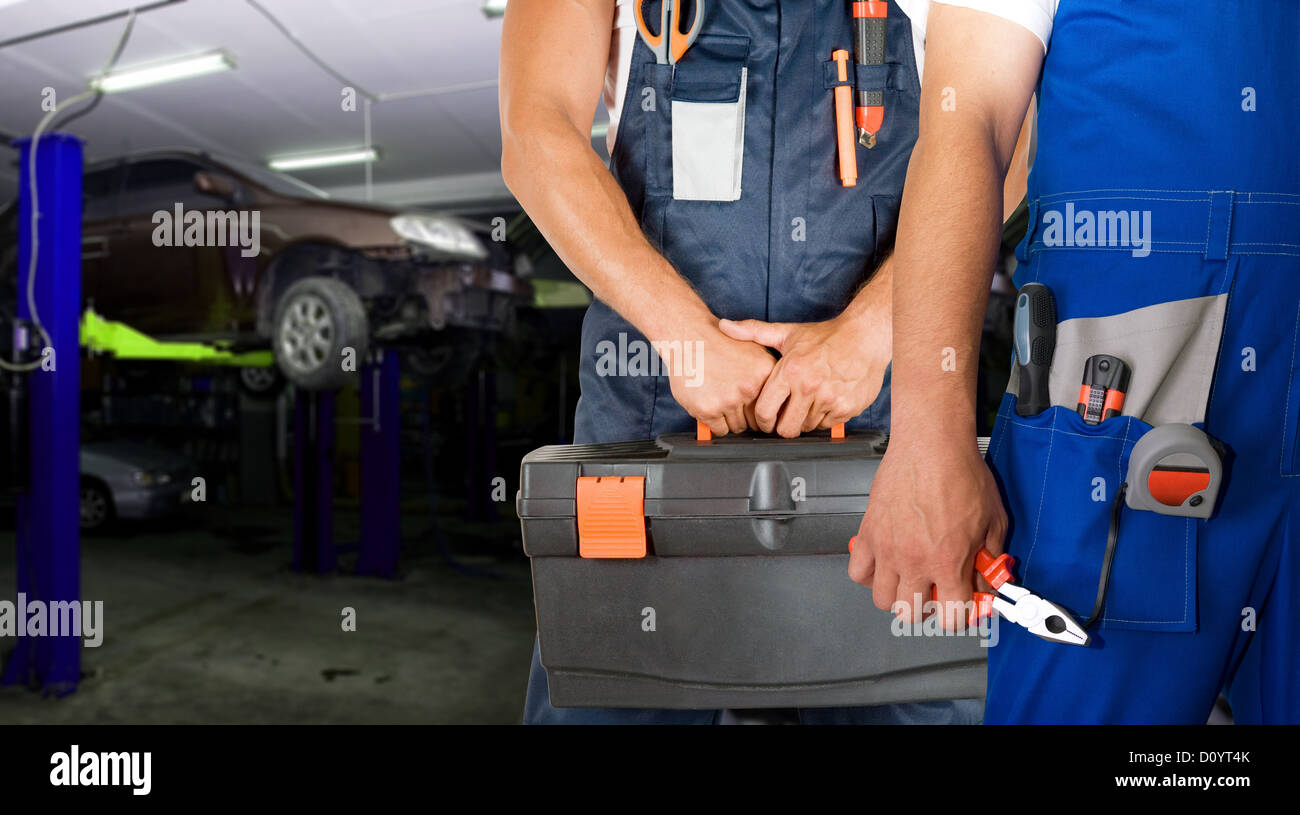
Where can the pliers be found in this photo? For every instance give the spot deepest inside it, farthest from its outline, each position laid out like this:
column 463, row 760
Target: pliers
column 1017, row 604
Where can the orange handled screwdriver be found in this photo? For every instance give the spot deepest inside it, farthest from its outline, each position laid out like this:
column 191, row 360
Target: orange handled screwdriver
column 869, row 23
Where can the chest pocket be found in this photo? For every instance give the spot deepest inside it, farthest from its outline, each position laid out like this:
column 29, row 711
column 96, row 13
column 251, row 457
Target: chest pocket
column 703, row 120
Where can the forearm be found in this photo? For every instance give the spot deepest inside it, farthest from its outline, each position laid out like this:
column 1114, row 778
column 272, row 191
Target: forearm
column 980, row 72
column 947, row 243
column 547, row 102
column 580, row 209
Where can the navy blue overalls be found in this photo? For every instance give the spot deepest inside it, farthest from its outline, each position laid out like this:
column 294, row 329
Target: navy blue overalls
column 794, row 246
column 1165, row 217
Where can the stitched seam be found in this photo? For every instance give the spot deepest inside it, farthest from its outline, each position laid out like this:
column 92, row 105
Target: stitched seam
column 1092, row 196
column 1077, row 197
column 1054, row 429
column 1042, row 497
column 1286, row 414
column 1002, row 434
column 1209, row 216
column 1155, row 247
column 1227, row 233
column 1147, row 189
column 1187, row 546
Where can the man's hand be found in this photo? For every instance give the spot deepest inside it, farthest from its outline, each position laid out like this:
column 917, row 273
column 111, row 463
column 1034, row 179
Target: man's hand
column 719, row 380
column 933, row 505
column 829, row 372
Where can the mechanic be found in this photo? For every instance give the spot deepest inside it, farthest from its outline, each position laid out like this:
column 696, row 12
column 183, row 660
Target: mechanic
column 1160, row 108
column 721, row 203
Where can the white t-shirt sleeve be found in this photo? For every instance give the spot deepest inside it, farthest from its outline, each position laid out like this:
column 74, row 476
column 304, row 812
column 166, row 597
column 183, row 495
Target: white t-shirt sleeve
column 1035, row 15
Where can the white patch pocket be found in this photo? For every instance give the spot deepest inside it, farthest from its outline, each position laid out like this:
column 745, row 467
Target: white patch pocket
column 708, row 140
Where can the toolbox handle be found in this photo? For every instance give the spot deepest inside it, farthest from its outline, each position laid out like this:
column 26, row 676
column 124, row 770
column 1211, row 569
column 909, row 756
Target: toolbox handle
column 702, row 432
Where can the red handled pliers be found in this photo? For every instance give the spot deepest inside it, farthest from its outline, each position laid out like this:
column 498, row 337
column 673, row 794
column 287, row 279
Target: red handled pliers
column 1017, row 604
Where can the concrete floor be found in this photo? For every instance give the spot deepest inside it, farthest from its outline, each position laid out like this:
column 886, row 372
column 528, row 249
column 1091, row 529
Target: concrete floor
column 204, row 623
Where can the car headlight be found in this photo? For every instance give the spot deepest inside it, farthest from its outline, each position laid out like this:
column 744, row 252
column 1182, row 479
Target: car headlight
column 147, row 479
column 441, row 234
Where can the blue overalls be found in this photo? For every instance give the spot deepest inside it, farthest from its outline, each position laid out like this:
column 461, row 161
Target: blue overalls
column 794, row 246
column 1182, row 118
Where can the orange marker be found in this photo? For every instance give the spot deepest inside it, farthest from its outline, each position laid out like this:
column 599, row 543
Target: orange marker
column 844, row 121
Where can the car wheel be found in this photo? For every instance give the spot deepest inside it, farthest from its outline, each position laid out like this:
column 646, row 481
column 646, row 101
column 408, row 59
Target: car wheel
column 316, row 319
column 261, row 383
column 96, row 506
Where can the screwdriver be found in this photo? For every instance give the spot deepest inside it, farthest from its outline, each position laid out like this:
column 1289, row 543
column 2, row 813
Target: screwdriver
column 869, row 23
column 1105, row 382
column 1035, row 344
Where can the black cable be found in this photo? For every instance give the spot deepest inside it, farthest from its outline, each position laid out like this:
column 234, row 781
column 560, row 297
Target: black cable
column 1112, row 537
column 108, row 66
column 61, row 123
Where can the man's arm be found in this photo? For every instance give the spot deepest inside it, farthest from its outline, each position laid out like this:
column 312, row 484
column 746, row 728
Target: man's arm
column 553, row 58
column 934, row 502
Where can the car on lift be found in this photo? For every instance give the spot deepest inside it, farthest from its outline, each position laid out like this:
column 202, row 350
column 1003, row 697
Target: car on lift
column 327, row 275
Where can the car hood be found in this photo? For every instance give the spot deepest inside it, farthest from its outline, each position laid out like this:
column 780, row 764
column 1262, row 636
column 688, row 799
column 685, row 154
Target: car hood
column 357, row 225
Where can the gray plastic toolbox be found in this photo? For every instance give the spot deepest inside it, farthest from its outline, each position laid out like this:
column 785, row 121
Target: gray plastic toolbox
column 680, row 573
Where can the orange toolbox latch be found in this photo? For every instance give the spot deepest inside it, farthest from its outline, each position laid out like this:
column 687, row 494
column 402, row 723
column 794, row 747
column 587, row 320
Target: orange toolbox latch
column 611, row 516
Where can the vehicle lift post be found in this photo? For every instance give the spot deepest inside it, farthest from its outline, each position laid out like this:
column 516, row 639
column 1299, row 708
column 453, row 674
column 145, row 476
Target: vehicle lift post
column 48, row 539
column 381, row 460
column 314, row 418
column 313, row 482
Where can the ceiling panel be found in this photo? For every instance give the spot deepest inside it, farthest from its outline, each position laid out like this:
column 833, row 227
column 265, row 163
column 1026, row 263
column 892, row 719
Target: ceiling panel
column 278, row 101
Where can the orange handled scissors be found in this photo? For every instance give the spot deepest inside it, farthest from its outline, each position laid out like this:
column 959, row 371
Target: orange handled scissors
column 670, row 44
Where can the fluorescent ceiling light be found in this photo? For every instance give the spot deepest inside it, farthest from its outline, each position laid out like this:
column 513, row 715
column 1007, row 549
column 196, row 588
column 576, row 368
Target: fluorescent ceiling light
column 494, row 8
column 125, row 79
column 324, row 159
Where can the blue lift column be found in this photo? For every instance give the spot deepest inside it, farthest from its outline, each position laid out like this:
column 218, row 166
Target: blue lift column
column 381, row 461
column 313, row 482
column 49, row 543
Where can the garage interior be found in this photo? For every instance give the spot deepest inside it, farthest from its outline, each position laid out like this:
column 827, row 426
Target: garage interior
column 231, row 515
column 316, row 336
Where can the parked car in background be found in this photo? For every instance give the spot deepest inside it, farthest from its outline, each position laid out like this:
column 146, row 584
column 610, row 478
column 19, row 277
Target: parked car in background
column 129, row 481
column 327, row 275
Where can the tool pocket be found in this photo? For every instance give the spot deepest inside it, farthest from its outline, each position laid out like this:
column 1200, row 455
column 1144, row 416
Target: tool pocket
column 898, row 96
column 708, row 120
column 1059, row 478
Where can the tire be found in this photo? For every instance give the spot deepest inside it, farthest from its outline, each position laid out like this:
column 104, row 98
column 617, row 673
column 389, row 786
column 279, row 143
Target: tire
column 261, row 383
column 316, row 319
column 95, row 506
